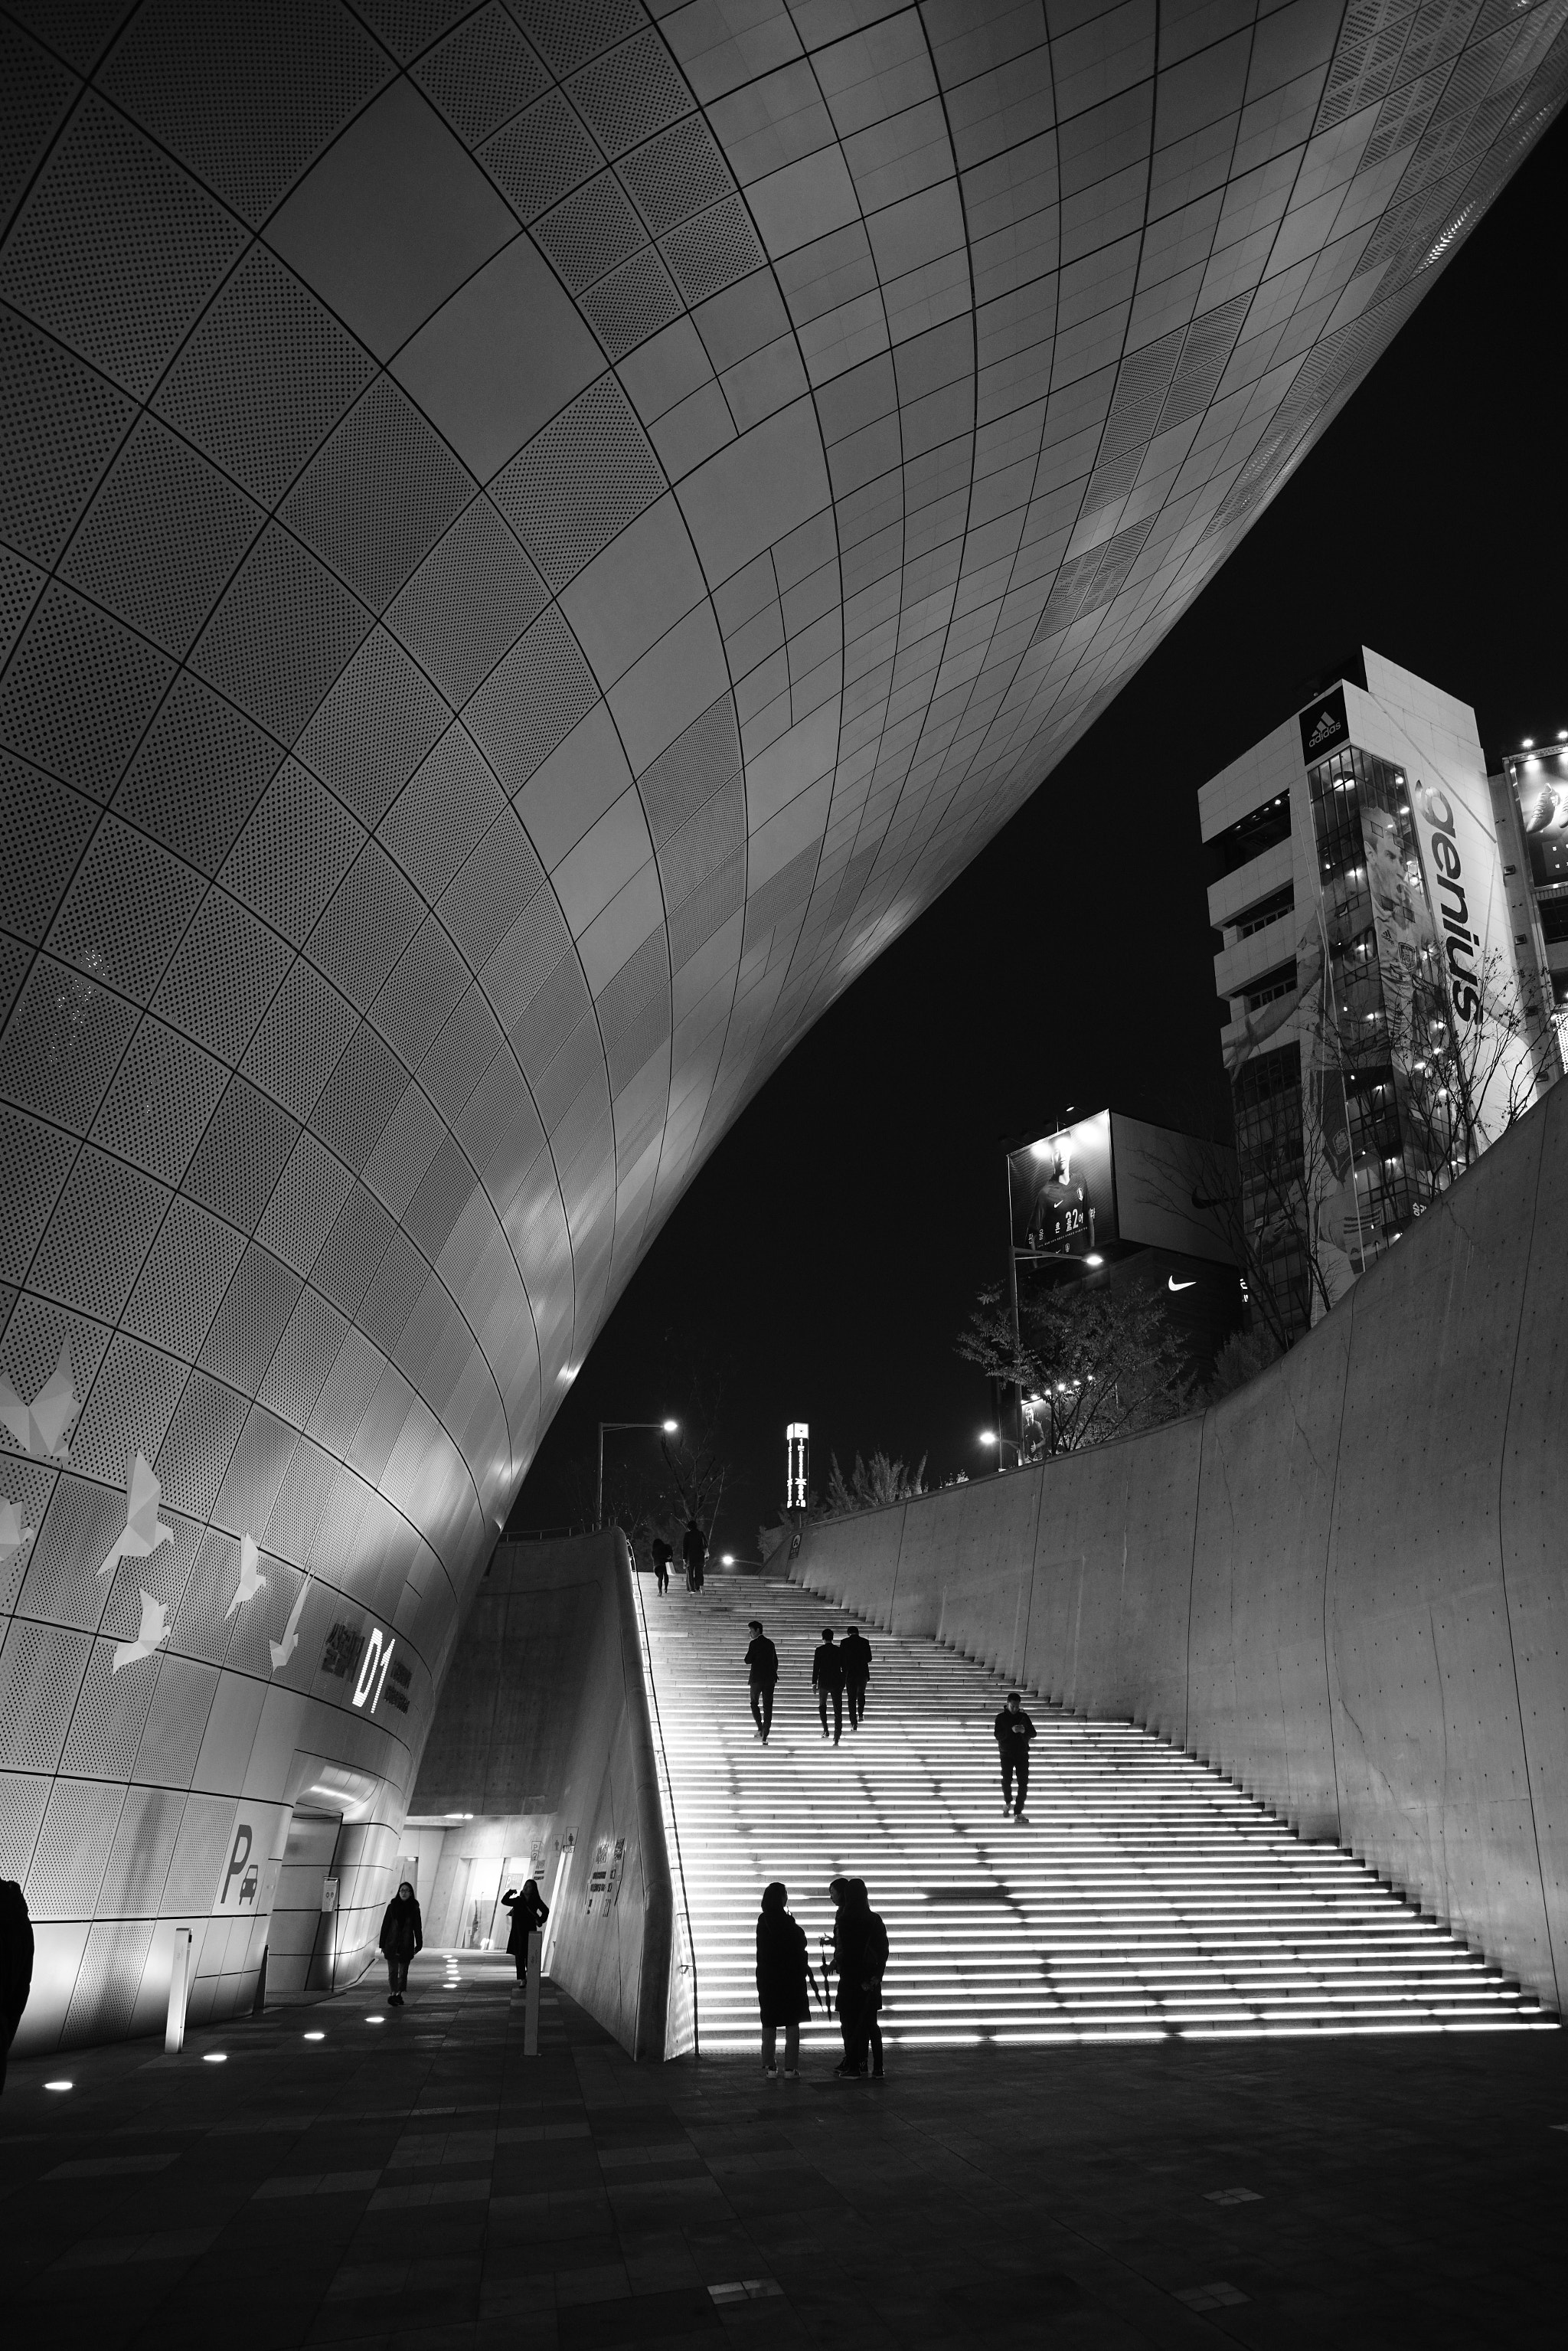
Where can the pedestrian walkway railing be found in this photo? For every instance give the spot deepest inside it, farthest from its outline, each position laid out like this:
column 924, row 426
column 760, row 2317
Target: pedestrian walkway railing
column 681, row 2013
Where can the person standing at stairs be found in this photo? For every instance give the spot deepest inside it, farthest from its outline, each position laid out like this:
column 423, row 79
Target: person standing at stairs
column 783, row 1978
column 693, row 1551
column 844, row 1962
column 663, row 1555
column 855, row 1656
column 762, row 1674
column 828, row 1681
column 873, row 1967
column 1014, row 1731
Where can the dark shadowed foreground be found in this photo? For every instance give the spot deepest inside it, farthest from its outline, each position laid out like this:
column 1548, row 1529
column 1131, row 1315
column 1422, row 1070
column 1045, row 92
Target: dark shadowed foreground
column 418, row 2181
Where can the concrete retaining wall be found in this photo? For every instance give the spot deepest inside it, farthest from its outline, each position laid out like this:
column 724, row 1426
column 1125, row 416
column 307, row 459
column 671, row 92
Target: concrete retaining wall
column 544, row 1713
column 1346, row 1586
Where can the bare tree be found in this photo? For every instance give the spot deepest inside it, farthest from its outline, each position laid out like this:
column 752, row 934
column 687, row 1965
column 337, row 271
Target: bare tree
column 1095, row 1361
column 1460, row 1086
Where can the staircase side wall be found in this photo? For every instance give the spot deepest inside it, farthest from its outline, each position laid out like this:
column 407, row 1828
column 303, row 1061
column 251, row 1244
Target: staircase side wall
column 544, row 1711
column 1346, row 1585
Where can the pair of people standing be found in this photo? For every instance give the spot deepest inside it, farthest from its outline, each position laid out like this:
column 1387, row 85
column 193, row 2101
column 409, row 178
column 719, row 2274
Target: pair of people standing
column 837, row 1668
column 694, row 1557
column 857, row 1955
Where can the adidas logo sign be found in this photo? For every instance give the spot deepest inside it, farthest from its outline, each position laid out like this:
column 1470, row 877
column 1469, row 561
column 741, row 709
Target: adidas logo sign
column 1324, row 731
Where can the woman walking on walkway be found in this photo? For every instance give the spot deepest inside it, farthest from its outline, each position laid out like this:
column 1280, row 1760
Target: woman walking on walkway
column 403, row 1934
column 783, row 1975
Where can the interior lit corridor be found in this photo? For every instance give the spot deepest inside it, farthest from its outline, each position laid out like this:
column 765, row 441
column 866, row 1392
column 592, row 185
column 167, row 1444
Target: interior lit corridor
column 1144, row 1897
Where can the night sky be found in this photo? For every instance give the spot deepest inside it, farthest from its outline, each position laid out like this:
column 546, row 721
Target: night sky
column 832, row 1246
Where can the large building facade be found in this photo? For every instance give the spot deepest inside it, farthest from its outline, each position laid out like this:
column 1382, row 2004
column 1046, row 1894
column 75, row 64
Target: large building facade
column 1388, row 1009
column 534, row 539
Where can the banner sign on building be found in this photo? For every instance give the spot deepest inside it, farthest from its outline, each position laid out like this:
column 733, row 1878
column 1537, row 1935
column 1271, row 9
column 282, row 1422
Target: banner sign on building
column 1325, row 726
column 1064, row 1201
column 1543, row 806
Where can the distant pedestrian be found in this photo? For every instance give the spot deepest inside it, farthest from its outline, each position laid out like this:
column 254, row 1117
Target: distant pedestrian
column 783, row 1976
column 663, row 1555
column 855, row 1656
column 403, row 1934
column 530, row 1910
column 15, row 1964
column 873, row 1967
column 828, row 1681
column 1014, row 1731
column 762, row 1674
column 693, row 1551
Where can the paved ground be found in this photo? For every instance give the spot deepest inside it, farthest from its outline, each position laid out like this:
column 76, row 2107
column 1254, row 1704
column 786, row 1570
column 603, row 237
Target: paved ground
column 421, row 2183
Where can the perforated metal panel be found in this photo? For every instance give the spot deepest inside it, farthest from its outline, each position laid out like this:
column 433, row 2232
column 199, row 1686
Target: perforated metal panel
column 482, row 74
column 581, row 481
column 265, row 377
column 541, row 157
column 283, row 630
column 72, row 1851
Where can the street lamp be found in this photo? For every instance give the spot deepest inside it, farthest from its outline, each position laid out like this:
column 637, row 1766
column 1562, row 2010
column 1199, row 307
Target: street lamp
column 669, row 1428
column 990, row 1437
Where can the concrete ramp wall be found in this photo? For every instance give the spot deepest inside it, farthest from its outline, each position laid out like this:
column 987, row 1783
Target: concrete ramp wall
column 544, row 1716
column 1346, row 1585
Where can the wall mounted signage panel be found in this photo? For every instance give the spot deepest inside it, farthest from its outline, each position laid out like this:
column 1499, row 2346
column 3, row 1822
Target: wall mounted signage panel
column 1325, row 726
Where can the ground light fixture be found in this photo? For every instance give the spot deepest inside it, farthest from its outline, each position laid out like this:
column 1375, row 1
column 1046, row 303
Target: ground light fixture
column 59, row 2085
column 1094, row 1257
column 315, row 2036
column 215, row 2057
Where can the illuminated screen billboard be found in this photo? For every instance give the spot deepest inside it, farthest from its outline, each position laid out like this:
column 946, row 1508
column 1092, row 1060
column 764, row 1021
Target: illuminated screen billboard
column 1542, row 787
column 1064, row 1201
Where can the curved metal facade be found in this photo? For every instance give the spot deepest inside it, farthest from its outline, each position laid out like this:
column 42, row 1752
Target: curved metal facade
column 536, row 538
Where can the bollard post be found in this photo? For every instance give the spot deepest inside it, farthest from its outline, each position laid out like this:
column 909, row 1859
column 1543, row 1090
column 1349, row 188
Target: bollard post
column 531, row 1998
column 179, row 1991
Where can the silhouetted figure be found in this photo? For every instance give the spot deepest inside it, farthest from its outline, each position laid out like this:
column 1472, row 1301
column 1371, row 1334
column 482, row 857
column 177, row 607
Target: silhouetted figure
column 828, row 1681
column 663, row 1555
column 783, row 1976
column 762, row 1674
column 16, row 1965
column 693, row 1551
column 848, row 1964
column 403, row 1934
column 530, row 1910
column 1014, row 1731
column 873, row 1967
column 854, row 1656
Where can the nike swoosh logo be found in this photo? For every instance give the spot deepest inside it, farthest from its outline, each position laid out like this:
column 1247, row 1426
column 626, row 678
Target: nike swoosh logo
column 1174, row 1284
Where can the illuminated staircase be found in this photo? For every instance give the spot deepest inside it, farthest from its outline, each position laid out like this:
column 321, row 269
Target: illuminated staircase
column 1143, row 1897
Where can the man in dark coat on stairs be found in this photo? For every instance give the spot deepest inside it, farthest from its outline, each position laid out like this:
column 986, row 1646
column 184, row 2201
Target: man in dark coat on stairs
column 854, row 1655
column 762, row 1674
column 693, row 1551
column 828, row 1681
column 1014, row 1731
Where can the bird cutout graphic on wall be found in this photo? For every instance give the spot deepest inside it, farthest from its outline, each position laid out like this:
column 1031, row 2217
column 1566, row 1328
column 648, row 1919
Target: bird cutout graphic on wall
column 13, row 1533
column 283, row 1650
column 152, row 1634
column 144, row 1530
column 40, row 1426
column 250, row 1581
